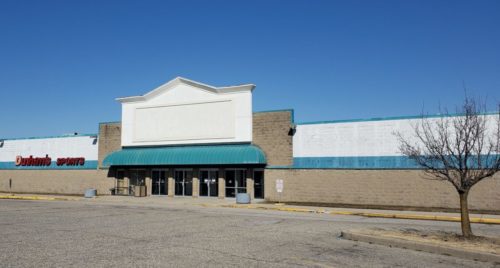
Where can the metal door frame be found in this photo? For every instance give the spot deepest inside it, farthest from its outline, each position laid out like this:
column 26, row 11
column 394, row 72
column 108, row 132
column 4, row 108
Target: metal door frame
column 130, row 171
column 184, row 180
column 166, row 181
column 216, row 170
column 236, row 184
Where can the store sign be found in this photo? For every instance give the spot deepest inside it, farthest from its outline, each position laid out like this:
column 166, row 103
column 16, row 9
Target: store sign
column 33, row 161
column 46, row 161
column 279, row 185
column 71, row 161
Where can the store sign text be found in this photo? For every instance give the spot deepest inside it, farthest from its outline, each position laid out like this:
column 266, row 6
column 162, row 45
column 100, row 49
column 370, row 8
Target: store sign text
column 46, row 161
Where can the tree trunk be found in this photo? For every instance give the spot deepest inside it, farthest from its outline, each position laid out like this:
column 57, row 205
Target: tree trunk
column 464, row 213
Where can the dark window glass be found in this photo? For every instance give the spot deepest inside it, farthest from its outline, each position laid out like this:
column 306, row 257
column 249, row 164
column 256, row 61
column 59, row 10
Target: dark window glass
column 120, row 174
column 158, row 182
column 258, row 178
column 230, row 192
column 155, row 177
column 183, row 182
column 214, row 183
column 236, row 182
column 203, row 183
column 179, row 182
column 230, row 182
column 188, row 186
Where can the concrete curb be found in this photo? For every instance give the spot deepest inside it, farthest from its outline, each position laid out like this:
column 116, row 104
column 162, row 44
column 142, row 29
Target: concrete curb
column 35, row 198
column 419, row 246
column 417, row 217
column 373, row 215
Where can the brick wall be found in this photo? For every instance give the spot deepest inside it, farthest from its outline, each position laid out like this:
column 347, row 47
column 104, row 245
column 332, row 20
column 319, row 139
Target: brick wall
column 110, row 139
column 56, row 181
column 271, row 134
column 376, row 188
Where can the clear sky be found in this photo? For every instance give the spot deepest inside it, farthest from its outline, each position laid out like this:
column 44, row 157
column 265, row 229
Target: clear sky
column 62, row 63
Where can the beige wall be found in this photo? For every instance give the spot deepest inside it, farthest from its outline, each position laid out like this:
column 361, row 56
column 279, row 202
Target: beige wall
column 56, row 181
column 109, row 139
column 377, row 188
column 271, row 134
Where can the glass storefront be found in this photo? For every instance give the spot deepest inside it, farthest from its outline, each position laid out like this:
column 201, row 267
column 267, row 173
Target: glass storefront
column 209, row 183
column 258, row 183
column 236, row 182
column 183, row 182
column 159, row 185
column 137, row 178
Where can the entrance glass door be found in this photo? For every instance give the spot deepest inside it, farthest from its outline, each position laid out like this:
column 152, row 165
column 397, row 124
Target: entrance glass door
column 258, row 178
column 137, row 178
column 183, row 182
column 236, row 182
column 159, row 182
column 209, row 183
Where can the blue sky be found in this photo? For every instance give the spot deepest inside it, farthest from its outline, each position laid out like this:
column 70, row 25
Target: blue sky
column 62, row 63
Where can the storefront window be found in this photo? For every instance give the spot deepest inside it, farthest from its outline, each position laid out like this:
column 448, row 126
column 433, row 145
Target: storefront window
column 258, row 178
column 183, row 182
column 235, row 182
column 159, row 182
column 209, row 183
column 137, row 178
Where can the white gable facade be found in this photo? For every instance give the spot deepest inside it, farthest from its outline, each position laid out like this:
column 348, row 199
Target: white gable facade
column 187, row 112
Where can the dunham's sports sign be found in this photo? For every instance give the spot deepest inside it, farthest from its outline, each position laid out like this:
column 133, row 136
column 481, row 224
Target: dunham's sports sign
column 46, row 161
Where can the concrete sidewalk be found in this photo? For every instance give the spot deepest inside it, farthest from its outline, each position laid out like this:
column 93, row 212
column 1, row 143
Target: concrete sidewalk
column 231, row 203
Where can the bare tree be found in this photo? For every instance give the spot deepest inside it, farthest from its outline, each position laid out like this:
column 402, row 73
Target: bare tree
column 462, row 149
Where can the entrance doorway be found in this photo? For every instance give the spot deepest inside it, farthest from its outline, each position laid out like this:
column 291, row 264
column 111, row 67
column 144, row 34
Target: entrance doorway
column 159, row 182
column 236, row 182
column 258, row 179
column 121, row 185
column 209, row 183
column 137, row 178
column 183, row 182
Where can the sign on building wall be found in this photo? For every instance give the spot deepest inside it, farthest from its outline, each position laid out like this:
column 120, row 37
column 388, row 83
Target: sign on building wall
column 66, row 152
column 279, row 185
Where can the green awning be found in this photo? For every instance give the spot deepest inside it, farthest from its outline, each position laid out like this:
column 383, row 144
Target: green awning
column 187, row 155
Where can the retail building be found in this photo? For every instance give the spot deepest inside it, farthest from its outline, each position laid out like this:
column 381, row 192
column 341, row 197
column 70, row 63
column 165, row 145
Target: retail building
column 186, row 138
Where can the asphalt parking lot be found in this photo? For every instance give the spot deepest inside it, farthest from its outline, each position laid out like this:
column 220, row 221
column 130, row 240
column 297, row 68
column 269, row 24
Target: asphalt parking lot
column 93, row 234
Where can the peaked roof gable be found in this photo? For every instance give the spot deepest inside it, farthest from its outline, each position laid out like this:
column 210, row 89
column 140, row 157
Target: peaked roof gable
column 180, row 80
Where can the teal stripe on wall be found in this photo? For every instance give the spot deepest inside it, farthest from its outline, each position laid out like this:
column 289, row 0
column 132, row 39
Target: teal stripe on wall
column 89, row 164
column 356, row 162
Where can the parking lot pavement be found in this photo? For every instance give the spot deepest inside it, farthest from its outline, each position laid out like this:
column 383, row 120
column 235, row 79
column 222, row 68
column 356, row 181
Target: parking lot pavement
column 96, row 234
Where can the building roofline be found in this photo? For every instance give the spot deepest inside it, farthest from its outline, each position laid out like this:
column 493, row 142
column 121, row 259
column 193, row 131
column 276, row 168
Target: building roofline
column 51, row 137
column 386, row 118
column 110, row 122
column 181, row 80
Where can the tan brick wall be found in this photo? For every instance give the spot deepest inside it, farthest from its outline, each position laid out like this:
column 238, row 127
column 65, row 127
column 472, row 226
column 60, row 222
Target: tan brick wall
column 110, row 139
column 379, row 188
column 270, row 133
column 56, row 181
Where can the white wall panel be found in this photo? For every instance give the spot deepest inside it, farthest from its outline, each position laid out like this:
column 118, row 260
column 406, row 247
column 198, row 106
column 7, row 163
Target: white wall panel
column 188, row 115
column 190, row 121
column 365, row 138
column 78, row 146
